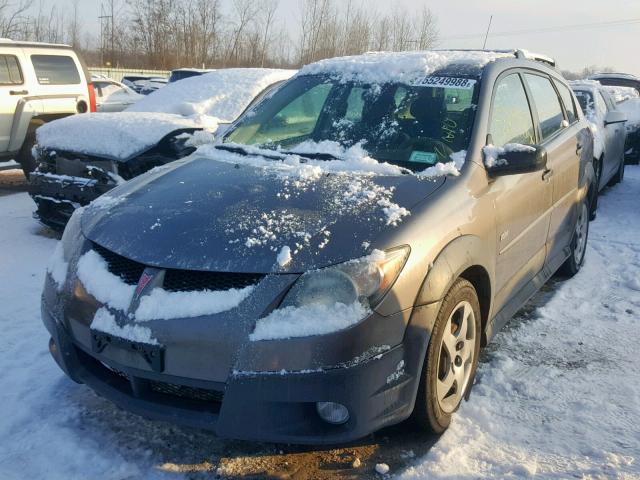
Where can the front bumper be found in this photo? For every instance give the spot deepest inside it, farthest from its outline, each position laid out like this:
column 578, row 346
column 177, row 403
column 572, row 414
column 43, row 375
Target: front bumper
column 378, row 389
column 58, row 196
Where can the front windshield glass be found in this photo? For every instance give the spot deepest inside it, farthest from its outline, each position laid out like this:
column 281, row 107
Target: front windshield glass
column 414, row 126
column 585, row 99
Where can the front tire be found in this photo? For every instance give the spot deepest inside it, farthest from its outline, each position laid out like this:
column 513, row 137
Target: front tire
column 574, row 263
column 451, row 360
column 24, row 157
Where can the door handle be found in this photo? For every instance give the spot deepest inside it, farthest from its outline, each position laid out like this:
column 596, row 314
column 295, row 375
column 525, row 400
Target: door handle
column 547, row 174
column 18, row 92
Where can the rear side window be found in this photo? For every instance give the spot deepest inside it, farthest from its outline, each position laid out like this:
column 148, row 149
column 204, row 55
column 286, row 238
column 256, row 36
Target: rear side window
column 511, row 120
column 547, row 104
column 55, row 70
column 10, row 73
column 567, row 99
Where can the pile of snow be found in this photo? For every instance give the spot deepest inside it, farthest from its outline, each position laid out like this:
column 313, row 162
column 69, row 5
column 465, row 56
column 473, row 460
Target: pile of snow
column 631, row 108
column 216, row 97
column 115, row 136
column 492, row 153
column 163, row 305
column 308, row 320
column 450, row 168
column 105, row 321
column 351, row 189
column 404, row 67
column 58, row 267
column 104, row 286
column 620, row 94
column 112, row 291
column 284, row 256
column 198, row 102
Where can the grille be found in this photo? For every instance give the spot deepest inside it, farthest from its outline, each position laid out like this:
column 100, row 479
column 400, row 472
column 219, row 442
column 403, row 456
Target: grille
column 189, row 280
column 177, row 280
column 190, row 393
column 128, row 270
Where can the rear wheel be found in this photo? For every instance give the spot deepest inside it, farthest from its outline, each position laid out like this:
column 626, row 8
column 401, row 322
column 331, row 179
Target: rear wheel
column 24, row 157
column 578, row 243
column 452, row 358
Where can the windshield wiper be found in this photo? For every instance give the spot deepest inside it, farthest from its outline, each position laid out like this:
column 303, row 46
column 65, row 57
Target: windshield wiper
column 313, row 155
column 246, row 152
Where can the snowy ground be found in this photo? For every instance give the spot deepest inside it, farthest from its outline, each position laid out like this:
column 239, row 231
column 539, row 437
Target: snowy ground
column 558, row 393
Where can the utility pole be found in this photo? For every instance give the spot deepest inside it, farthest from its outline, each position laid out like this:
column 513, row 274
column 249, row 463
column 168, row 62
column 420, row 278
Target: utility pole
column 484, row 45
column 103, row 16
column 112, row 36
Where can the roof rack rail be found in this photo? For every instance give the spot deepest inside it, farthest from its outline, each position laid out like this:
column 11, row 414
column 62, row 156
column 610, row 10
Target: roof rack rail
column 538, row 57
column 518, row 53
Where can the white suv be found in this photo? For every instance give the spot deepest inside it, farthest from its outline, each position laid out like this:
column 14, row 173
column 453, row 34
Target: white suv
column 39, row 82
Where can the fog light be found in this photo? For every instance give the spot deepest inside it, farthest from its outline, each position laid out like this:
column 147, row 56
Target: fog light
column 334, row 413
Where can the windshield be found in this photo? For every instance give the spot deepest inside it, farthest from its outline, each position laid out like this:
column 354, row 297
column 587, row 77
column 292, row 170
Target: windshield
column 585, row 99
column 414, row 126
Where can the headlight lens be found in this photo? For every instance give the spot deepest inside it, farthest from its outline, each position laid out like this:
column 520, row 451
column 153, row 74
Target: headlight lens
column 72, row 236
column 366, row 280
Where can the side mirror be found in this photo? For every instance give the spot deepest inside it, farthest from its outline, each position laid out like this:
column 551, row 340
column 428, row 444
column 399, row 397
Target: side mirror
column 614, row 117
column 513, row 159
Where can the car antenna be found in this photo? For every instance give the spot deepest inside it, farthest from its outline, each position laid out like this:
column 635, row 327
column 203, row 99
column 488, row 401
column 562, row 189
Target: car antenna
column 484, row 45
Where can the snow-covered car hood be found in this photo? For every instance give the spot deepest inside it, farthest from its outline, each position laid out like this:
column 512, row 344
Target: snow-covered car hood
column 115, row 136
column 203, row 214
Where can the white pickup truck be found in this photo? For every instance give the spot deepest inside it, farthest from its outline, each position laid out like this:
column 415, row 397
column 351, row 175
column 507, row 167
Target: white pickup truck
column 39, row 82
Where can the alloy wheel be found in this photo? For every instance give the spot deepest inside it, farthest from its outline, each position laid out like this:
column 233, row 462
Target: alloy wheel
column 581, row 233
column 456, row 357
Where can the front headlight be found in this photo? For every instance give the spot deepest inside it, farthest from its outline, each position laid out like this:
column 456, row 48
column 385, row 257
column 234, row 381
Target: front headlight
column 72, row 236
column 58, row 266
column 366, row 280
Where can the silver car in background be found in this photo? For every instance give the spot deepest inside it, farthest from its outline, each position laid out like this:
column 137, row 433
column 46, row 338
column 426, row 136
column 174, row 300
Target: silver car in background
column 608, row 127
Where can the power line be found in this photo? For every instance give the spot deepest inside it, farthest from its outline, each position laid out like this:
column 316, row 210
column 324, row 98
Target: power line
column 614, row 23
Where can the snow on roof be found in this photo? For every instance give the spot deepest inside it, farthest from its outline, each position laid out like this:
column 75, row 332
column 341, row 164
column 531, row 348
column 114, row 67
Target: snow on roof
column 221, row 95
column 112, row 135
column 382, row 67
column 585, row 84
column 628, row 76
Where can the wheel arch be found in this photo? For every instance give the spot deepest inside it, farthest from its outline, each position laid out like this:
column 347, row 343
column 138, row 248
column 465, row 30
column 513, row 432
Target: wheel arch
column 465, row 257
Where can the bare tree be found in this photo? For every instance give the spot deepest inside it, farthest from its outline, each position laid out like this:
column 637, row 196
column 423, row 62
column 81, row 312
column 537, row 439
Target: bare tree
column 13, row 17
column 244, row 11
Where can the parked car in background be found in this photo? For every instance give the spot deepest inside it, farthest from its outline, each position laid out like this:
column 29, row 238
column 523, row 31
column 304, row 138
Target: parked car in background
column 131, row 81
column 608, row 127
column 39, row 82
column 151, row 85
column 80, row 159
column 631, row 107
column 182, row 73
column 112, row 96
column 289, row 286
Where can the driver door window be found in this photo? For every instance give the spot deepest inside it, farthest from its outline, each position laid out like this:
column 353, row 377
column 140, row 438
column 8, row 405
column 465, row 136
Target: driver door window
column 511, row 120
column 298, row 119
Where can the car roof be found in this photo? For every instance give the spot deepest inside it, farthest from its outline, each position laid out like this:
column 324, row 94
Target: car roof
column 381, row 67
column 14, row 43
column 626, row 76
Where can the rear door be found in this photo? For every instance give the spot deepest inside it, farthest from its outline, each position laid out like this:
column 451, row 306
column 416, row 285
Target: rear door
column 523, row 201
column 615, row 137
column 559, row 136
column 12, row 90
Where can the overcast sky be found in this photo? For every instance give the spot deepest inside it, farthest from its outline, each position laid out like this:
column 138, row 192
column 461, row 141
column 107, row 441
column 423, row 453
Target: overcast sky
column 462, row 24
